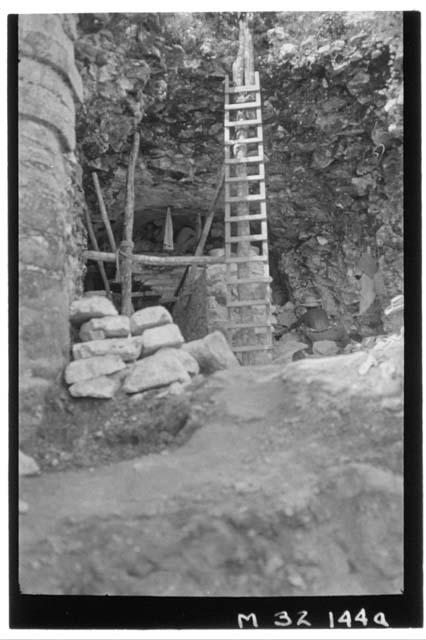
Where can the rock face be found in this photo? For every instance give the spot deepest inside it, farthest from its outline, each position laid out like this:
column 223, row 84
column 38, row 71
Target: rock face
column 92, row 368
column 93, row 307
column 148, row 318
column 107, row 327
column 129, row 349
column 212, row 353
column 100, row 387
column 168, row 335
column 51, row 234
column 332, row 190
column 155, row 371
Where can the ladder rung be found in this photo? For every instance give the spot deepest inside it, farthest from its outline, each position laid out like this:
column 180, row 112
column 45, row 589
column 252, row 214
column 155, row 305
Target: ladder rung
column 239, row 259
column 258, row 347
column 257, row 176
column 250, row 238
column 249, row 198
column 246, row 160
column 244, row 141
column 243, row 123
column 254, row 216
column 259, row 280
column 249, row 325
column 244, row 88
column 244, row 105
column 248, row 303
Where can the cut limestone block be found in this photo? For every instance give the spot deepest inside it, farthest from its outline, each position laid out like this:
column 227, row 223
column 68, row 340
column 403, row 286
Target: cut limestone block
column 148, row 318
column 129, row 349
column 107, row 327
column 155, row 371
column 101, row 387
column 92, row 307
column 212, row 353
column 27, row 465
column 92, row 368
column 87, row 333
column 188, row 361
column 168, row 335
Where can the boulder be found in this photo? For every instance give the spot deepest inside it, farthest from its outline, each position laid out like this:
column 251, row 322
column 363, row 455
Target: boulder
column 148, row 318
column 106, row 327
column 212, row 353
column 129, row 349
column 93, row 307
column 325, row 348
column 168, row 335
column 100, row 387
column 92, row 368
column 155, row 371
column 189, row 362
column 27, row 465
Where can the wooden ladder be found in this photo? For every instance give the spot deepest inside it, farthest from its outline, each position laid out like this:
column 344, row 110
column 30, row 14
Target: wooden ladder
column 259, row 338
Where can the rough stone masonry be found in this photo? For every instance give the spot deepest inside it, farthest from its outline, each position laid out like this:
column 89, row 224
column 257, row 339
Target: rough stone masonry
column 49, row 229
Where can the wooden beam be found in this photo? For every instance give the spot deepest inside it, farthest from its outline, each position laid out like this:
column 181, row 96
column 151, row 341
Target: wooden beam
column 162, row 261
column 127, row 243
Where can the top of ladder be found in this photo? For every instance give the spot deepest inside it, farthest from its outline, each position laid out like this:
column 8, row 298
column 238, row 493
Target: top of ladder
column 243, row 88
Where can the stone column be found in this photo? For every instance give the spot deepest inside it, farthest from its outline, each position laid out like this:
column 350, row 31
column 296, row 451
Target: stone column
column 49, row 85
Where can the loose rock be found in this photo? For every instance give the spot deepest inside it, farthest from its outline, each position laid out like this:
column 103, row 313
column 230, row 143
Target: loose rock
column 23, row 507
column 212, row 353
column 148, row 318
column 153, row 372
column 325, row 348
column 129, row 349
column 87, row 368
column 107, row 327
column 168, row 335
column 101, row 387
column 27, row 465
column 92, row 307
column 188, row 361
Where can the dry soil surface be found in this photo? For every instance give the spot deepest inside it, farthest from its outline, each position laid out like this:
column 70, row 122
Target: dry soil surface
column 292, row 486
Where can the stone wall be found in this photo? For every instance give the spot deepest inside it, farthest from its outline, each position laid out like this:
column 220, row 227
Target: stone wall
column 50, row 204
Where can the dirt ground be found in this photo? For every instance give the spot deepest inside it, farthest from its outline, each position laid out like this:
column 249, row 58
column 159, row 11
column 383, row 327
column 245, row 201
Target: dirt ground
column 271, row 481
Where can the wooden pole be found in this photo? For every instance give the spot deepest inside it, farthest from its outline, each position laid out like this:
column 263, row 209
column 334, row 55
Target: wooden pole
column 126, row 248
column 104, row 212
column 105, row 218
column 190, row 271
column 160, row 261
column 96, row 248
